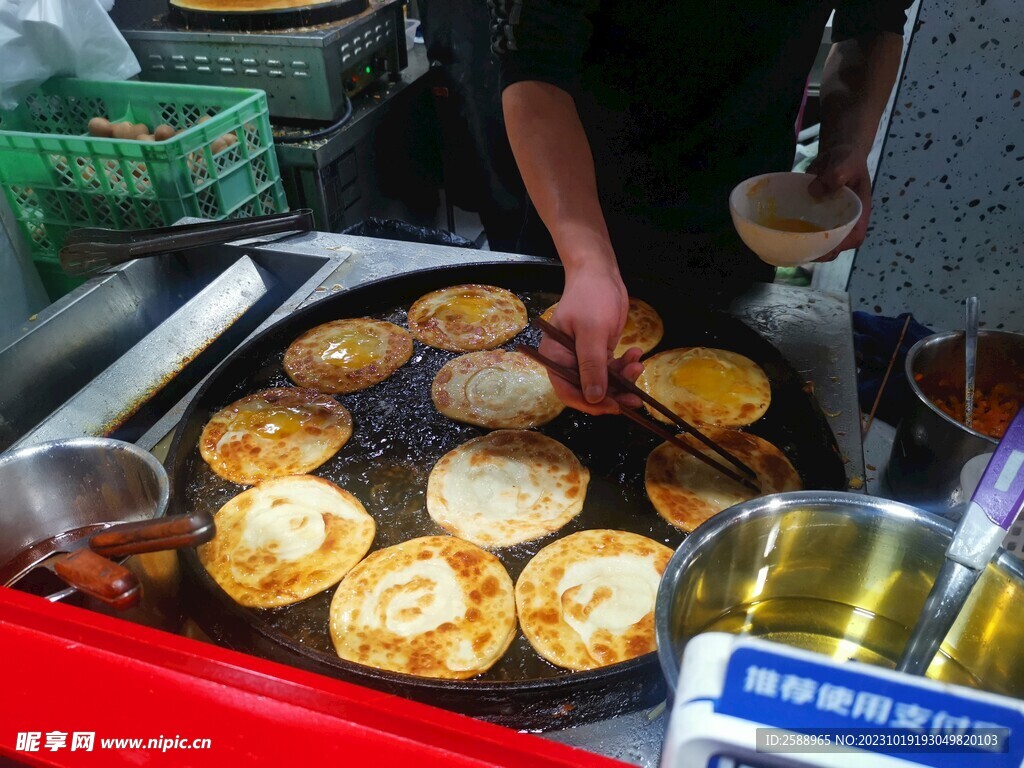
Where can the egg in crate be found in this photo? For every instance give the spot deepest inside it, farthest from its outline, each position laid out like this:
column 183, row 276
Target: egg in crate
column 101, row 128
column 495, row 389
column 285, row 540
column 467, row 318
column 275, row 432
column 506, row 487
column 706, row 386
column 347, row 355
column 587, row 600
column 434, row 606
column 686, row 491
column 643, row 328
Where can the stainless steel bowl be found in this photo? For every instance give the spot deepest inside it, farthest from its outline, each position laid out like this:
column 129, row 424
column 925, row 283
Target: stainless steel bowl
column 842, row 574
column 930, row 448
column 52, row 488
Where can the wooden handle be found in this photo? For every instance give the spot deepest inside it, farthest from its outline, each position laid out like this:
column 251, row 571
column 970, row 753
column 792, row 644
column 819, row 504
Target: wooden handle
column 153, row 535
column 100, row 578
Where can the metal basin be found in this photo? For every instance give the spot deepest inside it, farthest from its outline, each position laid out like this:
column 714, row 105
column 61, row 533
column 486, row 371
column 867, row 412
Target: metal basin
column 840, row 574
column 930, row 448
column 66, row 486
column 77, row 339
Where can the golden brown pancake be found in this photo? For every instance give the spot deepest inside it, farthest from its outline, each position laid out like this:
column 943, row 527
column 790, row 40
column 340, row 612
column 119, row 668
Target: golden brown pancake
column 643, row 327
column 347, row 355
column 276, row 432
column 285, row 540
column 706, row 386
column 686, row 492
column 495, row 389
column 467, row 318
column 587, row 600
column 506, row 487
column 238, row 6
column 435, row 606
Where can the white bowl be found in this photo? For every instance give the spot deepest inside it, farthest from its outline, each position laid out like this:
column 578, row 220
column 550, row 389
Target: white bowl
column 765, row 208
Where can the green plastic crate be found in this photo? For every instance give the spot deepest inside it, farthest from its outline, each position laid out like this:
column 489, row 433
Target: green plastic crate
column 57, row 177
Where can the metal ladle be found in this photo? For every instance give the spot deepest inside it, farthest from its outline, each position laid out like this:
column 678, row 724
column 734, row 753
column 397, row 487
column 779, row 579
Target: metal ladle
column 970, row 359
column 993, row 508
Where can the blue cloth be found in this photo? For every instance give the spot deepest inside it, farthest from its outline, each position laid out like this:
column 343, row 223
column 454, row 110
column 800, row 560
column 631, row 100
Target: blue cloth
column 874, row 339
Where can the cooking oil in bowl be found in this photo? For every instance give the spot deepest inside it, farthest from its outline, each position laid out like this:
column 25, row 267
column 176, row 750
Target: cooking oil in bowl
column 837, row 630
column 846, row 579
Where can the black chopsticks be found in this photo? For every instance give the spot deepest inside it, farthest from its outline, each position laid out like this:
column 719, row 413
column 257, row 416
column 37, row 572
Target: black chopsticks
column 572, row 376
column 627, row 386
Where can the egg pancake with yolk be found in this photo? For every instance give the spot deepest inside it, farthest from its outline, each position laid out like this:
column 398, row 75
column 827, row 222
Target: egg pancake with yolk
column 347, row 355
column 276, row 432
column 506, row 487
column 467, row 318
column 587, row 600
column 435, row 606
column 686, row 491
column 495, row 389
column 706, row 386
column 286, row 539
column 643, row 327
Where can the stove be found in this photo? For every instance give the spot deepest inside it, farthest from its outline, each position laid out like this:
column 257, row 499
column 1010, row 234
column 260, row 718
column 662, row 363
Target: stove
column 308, row 72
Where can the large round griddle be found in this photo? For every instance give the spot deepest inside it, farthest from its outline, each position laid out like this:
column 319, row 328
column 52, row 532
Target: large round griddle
column 265, row 20
column 399, row 435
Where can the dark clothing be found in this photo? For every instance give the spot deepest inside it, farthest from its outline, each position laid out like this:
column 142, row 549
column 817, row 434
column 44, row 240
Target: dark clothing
column 480, row 173
column 680, row 101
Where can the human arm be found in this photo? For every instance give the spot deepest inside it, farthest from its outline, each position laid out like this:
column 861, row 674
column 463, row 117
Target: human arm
column 859, row 75
column 554, row 158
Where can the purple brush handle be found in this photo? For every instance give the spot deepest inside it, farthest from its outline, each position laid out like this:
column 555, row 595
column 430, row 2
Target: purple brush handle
column 1001, row 490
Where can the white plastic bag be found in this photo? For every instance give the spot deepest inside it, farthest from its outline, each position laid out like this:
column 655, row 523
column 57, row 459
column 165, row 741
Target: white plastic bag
column 43, row 38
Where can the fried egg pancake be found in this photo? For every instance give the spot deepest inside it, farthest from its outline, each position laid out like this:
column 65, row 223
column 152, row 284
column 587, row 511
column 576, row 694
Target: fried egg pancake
column 467, row 318
column 435, row 606
column 276, row 432
column 347, row 355
column 506, row 487
column 706, row 386
column 686, row 491
column 643, row 327
column 495, row 389
column 587, row 600
column 285, row 540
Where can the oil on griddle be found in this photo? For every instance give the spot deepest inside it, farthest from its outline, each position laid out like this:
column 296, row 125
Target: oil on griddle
column 399, row 435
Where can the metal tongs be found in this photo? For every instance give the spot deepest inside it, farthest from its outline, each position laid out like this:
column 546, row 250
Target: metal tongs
column 992, row 510
column 80, row 557
column 745, row 476
column 92, row 250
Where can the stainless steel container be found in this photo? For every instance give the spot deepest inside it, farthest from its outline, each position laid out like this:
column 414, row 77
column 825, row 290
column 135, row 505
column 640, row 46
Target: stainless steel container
column 930, row 448
column 842, row 574
column 59, row 486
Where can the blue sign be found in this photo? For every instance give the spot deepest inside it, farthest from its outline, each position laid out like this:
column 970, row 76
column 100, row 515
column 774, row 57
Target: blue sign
column 807, row 696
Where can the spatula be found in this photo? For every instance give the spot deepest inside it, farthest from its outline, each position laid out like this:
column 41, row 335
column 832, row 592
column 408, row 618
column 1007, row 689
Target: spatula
column 970, row 359
column 90, row 251
column 992, row 510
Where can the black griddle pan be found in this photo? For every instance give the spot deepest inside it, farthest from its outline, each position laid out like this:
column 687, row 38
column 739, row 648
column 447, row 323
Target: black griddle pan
column 398, row 435
column 258, row 21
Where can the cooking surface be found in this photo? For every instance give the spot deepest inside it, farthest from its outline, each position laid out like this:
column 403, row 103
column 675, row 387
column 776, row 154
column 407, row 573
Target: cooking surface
column 397, row 439
column 399, row 435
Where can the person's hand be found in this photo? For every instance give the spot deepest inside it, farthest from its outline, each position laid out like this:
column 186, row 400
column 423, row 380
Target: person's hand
column 844, row 166
column 592, row 310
